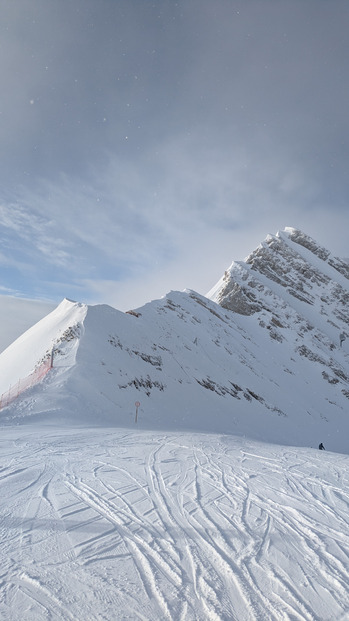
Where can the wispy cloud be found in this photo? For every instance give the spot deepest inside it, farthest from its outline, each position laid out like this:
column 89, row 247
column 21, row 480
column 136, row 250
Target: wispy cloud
column 32, row 233
column 136, row 229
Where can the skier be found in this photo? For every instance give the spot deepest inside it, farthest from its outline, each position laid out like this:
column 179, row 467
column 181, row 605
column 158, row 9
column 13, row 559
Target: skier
column 321, row 447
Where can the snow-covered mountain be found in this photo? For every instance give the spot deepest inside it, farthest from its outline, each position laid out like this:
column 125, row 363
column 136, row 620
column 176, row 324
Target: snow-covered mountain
column 259, row 356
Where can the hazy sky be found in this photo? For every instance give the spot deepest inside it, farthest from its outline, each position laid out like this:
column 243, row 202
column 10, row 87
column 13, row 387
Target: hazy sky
column 147, row 144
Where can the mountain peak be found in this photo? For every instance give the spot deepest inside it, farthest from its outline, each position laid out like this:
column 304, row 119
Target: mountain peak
column 290, row 263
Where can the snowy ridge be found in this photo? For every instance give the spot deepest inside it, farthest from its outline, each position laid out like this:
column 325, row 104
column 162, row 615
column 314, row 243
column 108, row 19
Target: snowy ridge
column 36, row 344
column 216, row 505
column 273, row 369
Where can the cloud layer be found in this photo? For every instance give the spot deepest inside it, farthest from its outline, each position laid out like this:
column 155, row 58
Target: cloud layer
column 146, row 145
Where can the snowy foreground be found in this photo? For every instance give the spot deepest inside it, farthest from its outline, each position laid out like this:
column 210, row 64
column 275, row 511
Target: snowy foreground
column 121, row 524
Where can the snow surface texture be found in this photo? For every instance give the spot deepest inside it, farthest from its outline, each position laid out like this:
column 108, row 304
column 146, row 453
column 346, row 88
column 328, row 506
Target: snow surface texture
column 120, row 525
column 171, row 517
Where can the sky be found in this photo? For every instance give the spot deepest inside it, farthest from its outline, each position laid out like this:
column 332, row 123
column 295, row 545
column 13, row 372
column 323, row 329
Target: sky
column 147, row 145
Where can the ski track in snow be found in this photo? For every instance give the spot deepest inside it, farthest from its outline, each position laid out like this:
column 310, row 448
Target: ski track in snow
column 104, row 525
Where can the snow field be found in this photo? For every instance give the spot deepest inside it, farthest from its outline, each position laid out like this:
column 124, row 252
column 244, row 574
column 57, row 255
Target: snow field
column 121, row 524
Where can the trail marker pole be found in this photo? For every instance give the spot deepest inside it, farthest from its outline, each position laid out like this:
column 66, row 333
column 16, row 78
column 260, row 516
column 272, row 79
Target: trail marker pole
column 137, row 404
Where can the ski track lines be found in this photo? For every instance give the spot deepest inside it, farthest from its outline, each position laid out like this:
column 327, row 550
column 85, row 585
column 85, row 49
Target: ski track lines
column 166, row 526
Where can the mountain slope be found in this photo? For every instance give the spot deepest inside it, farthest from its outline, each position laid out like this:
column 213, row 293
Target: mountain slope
column 262, row 358
column 36, row 344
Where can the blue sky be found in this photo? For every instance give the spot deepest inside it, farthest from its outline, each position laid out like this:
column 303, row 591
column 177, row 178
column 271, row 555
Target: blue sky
column 145, row 145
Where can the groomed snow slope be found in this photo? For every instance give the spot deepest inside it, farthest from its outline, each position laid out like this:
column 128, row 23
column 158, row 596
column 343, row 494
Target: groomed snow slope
column 106, row 524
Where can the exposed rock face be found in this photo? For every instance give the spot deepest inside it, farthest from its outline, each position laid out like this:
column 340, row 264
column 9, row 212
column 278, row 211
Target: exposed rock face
column 297, row 292
column 238, row 298
column 285, row 266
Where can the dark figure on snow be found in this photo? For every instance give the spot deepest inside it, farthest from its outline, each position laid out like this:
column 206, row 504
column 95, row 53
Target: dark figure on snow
column 321, row 447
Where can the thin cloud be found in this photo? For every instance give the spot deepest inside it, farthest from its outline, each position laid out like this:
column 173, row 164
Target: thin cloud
column 33, row 234
column 140, row 138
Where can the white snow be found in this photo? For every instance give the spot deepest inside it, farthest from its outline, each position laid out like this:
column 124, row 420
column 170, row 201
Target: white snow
column 111, row 524
column 24, row 354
